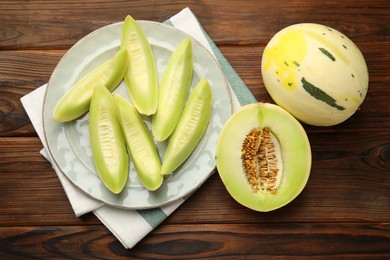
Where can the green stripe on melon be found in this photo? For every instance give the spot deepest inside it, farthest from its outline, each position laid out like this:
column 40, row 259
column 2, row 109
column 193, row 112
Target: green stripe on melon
column 320, row 94
column 327, row 54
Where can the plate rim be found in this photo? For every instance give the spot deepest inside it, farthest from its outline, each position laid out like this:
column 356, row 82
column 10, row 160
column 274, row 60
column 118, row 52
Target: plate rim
column 57, row 164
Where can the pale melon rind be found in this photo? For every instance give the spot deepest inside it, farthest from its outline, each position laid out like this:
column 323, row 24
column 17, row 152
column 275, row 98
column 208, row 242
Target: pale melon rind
column 295, row 147
column 316, row 73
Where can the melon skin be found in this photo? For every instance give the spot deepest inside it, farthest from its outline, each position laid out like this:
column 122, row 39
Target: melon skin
column 316, row 73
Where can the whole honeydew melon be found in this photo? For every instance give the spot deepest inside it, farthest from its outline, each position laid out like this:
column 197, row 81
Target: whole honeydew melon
column 316, row 73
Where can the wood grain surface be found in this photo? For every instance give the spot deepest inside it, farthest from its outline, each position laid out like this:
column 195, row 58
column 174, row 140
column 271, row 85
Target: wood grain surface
column 343, row 213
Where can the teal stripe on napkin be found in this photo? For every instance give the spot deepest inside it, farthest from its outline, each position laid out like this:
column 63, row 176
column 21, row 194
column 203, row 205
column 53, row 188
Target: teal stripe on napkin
column 153, row 216
column 244, row 95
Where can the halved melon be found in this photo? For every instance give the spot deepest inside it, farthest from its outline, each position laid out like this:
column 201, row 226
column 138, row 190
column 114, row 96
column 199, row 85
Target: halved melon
column 263, row 157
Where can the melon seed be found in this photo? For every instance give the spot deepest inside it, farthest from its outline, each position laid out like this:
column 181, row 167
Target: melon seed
column 261, row 159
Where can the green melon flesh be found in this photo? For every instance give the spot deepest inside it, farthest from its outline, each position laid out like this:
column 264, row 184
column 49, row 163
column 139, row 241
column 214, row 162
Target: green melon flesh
column 76, row 100
column 294, row 150
column 107, row 142
column 142, row 148
column 141, row 77
column 174, row 87
column 191, row 127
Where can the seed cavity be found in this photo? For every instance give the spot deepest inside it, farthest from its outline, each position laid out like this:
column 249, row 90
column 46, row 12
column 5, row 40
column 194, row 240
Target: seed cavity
column 262, row 160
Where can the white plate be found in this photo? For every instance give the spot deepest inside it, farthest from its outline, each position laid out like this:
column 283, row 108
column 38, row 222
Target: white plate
column 69, row 143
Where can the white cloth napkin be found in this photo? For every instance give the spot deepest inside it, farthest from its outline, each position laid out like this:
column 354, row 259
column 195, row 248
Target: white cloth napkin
column 130, row 226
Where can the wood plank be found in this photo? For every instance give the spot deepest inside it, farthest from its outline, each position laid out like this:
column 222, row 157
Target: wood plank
column 22, row 72
column 59, row 24
column 30, row 187
column 348, row 183
column 34, row 68
column 342, row 213
column 246, row 241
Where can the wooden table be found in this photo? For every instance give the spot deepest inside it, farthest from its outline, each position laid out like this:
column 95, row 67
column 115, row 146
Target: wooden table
column 344, row 211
